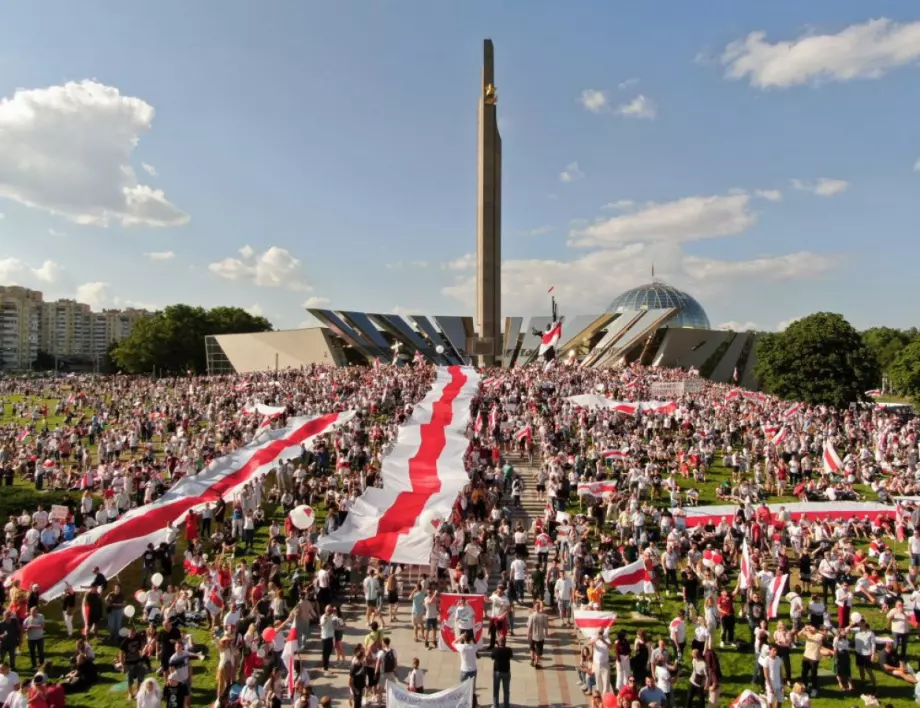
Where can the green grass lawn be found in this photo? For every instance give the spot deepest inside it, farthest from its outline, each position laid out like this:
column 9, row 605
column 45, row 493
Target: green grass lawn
column 736, row 667
column 58, row 648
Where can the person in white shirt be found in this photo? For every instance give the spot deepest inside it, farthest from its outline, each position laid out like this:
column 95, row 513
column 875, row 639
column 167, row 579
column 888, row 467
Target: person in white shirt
column 467, row 651
column 563, row 591
column 9, row 681
column 773, row 677
column 913, row 547
column 518, row 577
column 415, row 681
column 149, row 695
column 600, row 644
column 498, row 615
column 864, row 641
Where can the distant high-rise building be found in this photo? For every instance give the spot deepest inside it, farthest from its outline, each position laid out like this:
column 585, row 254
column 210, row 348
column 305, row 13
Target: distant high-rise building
column 20, row 326
column 62, row 328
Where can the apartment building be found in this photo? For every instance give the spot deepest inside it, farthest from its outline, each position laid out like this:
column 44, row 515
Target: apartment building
column 20, row 326
column 62, row 328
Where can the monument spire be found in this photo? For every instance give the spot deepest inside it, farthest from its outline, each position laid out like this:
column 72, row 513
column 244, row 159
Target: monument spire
column 487, row 345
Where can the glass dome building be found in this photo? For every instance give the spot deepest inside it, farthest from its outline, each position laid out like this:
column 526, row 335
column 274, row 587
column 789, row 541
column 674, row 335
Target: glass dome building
column 655, row 296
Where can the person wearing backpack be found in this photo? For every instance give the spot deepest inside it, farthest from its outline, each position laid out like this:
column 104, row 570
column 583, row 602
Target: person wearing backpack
column 386, row 665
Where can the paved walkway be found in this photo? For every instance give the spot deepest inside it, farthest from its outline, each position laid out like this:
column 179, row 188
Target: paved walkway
column 554, row 686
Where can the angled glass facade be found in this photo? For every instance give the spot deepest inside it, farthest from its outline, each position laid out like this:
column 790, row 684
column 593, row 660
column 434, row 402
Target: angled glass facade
column 658, row 296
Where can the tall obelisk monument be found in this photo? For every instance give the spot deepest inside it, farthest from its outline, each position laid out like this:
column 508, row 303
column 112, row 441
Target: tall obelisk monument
column 489, row 219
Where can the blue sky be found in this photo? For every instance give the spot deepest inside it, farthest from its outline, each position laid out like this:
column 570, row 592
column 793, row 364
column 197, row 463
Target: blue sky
column 225, row 153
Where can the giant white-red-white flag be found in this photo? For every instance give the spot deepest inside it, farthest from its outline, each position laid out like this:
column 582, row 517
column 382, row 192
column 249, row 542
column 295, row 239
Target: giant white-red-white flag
column 632, row 578
column 596, row 489
column 422, row 478
column 113, row 546
column 832, row 461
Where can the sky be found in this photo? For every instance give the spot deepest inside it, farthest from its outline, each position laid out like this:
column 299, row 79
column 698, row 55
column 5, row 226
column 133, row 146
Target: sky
column 276, row 156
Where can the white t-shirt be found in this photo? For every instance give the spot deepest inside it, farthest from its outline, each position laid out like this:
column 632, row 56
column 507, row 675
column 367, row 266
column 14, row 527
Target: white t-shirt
column 500, row 604
column 518, row 569
column 899, row 622
column 7, row 683
column 467, row 654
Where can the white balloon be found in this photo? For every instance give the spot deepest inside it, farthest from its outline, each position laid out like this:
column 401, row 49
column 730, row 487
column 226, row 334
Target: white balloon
column 430, row 520
column 855, row 618
column 719, row 569
column 302, row 516
column 123, row 632
column 157, row 580
column 439, row 349
column 129, row 611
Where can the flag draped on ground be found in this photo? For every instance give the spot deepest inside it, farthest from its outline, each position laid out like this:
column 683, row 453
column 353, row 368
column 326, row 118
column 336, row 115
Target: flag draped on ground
column 589, row 621
column 632, row 578
column 702, row 515
column 422, row 477
column 456, row 618
column 113, row 546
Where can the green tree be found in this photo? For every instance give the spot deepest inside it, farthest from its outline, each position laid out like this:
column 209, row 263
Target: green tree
column 173, row 339
column 819, row 359
column 887, row 343
column 904, row 372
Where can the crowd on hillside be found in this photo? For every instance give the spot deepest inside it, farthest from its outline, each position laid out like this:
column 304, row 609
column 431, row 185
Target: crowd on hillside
column 120, row 442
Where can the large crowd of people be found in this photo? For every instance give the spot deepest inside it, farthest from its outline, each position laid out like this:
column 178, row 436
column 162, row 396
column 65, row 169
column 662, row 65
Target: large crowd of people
column 96, row 447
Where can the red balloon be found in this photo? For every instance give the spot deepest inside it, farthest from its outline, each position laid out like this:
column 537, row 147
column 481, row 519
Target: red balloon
column 610, row 700
column 268, row 634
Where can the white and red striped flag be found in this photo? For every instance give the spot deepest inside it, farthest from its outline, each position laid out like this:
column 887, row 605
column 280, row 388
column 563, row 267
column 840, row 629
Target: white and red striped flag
column 550, row 340
column 615, row 454
column 477, row 426
column 377, row 363
column 23, row 435
column 832, row 461
column 773, row 591
column 780, row 437
column 770, row 429
column 632, row 578
column 746, row 577
column 589, row 621
column 422, row 477
column 792, row 410
column 418, row 357
column 493, row 418
column 525, row 433
column 596, row 489
column 874, row 393
column 112, row 547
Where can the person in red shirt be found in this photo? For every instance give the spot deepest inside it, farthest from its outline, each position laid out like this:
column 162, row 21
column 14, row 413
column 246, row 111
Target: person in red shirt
column 629, row 691
column 726, row 605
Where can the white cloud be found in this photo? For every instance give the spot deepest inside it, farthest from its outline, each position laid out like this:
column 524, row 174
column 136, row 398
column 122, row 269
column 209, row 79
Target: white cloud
column 149, row 169
column 823, row 187
column 571, row 173
column 917, row 165
column 773, row 195
column 688, row 219
column 274, row 268
column 56, row 233
column 739, row 326
column 620, row 204
column 255, row 310
column 627, row 83
column 594, row 100
column 160, row 255
column 539, row 231
column 639, row 107
column 67, row 149
column 14, row 269
column 863, row 51
column 801, row 265
column 785, row 323
column 318, row 303
column 399, row 265
column 611, row 271
column 465, row 262
column 96, row 295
